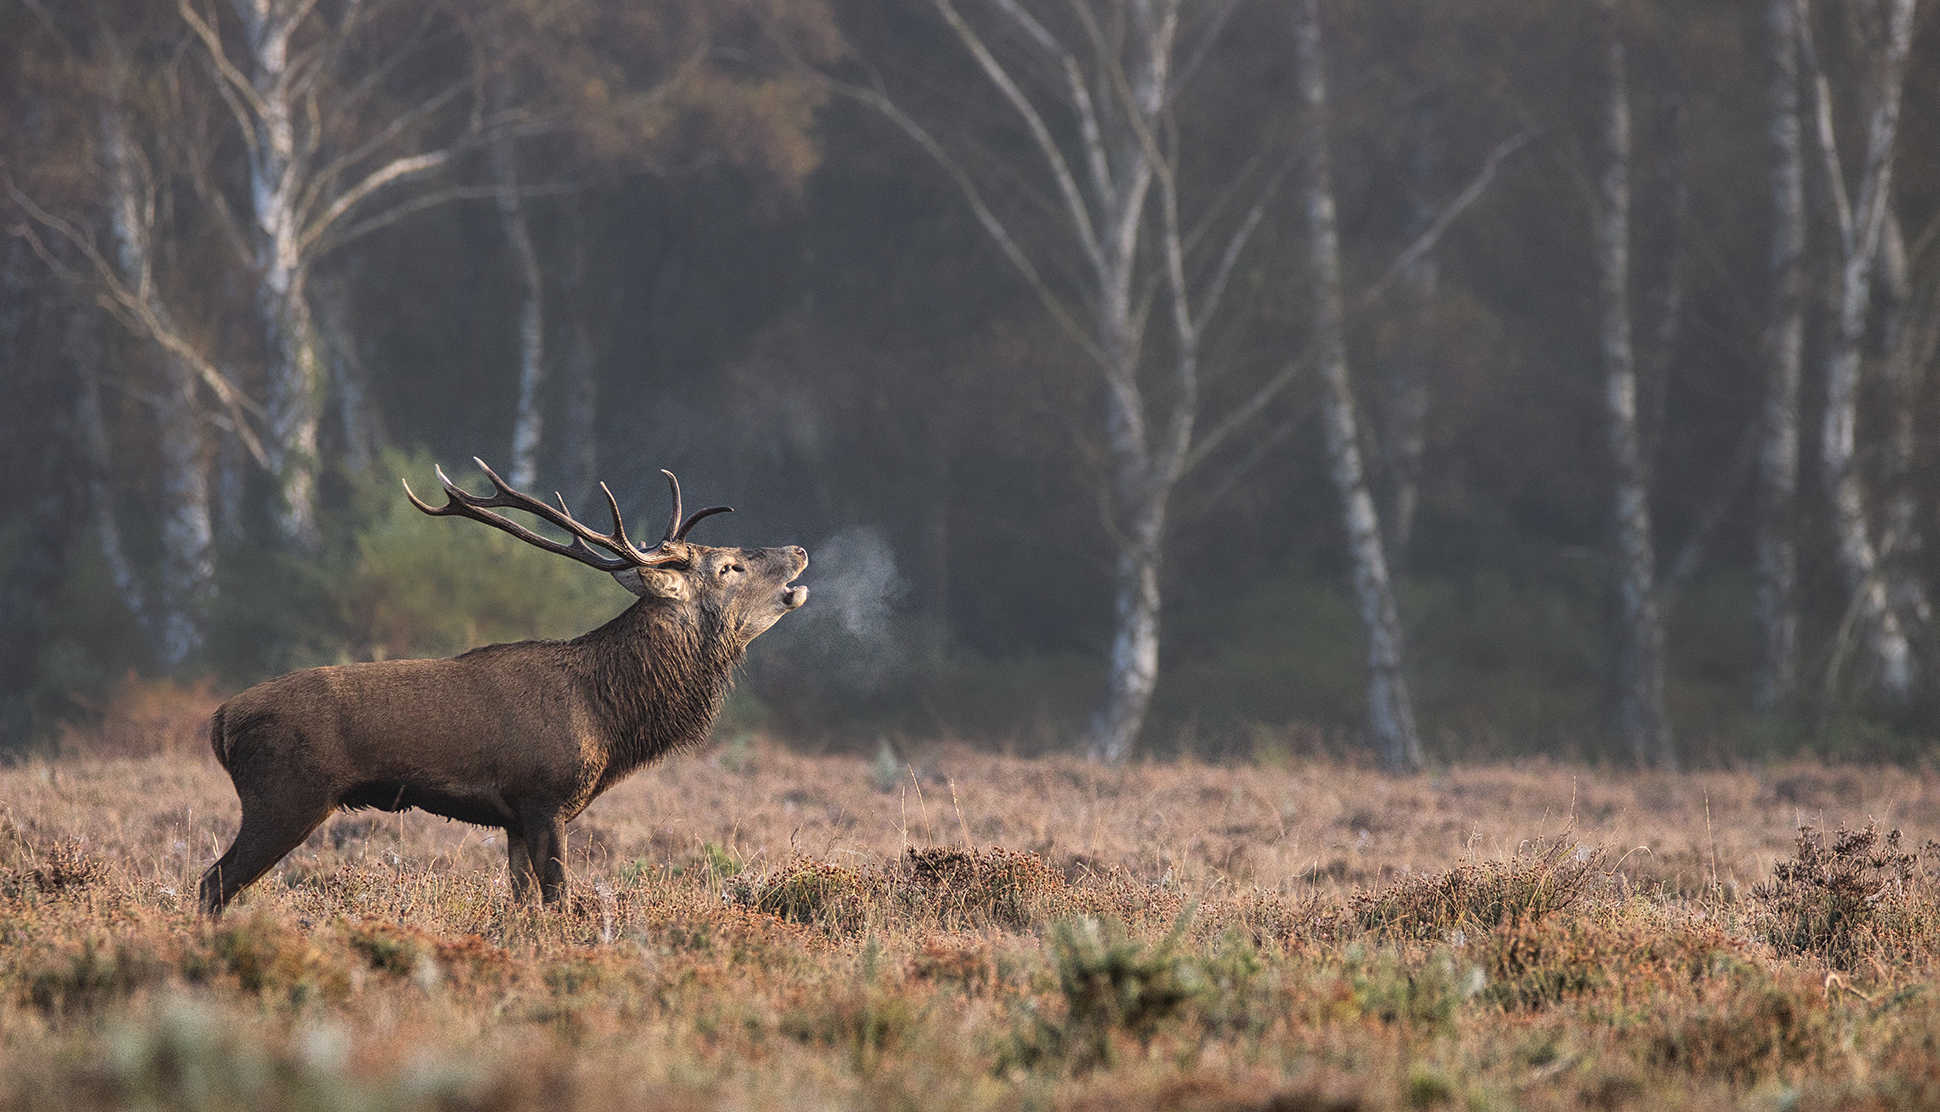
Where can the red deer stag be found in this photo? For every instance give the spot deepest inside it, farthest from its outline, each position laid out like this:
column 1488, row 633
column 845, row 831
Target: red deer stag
column 520, row 736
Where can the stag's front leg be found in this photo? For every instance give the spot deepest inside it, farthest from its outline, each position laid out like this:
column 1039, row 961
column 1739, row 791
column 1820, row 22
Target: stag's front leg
column 545, row 845
column 519, row 863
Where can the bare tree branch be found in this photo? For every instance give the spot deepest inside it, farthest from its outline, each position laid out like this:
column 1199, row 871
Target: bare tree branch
column 1078, row 211
column 1431, row 235
column 395, row 170
column 138, row 312
column 974, row 198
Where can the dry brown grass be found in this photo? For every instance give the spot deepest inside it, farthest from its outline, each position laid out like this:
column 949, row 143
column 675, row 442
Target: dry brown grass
column 759, row 928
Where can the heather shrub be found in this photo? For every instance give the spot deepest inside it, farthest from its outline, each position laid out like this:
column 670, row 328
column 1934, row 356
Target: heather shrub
column 1840, row 902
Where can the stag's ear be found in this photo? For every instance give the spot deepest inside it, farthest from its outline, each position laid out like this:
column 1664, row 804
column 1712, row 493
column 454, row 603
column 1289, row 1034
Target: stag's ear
column 654, row 583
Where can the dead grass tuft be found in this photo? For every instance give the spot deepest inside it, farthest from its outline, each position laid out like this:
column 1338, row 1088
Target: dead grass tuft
column 1480, row 895
column 64, row 868
column 1624, row 952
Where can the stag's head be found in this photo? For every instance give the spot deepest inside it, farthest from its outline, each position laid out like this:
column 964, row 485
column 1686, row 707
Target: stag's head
column 745, row 589
column 741, row 590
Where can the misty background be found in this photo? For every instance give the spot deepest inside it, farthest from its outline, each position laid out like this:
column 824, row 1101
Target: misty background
column 761, row 244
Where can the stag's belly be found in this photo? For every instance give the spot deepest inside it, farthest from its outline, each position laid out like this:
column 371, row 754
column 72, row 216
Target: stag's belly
column 481, row 807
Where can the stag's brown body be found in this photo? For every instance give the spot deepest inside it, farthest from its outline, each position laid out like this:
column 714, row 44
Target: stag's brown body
column 521, row 736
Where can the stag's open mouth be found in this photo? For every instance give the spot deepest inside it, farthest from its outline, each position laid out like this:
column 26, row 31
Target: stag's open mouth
column 792, row 597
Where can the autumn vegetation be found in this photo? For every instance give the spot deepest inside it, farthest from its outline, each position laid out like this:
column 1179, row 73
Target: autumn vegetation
column 1530, row 397
column 942, row 928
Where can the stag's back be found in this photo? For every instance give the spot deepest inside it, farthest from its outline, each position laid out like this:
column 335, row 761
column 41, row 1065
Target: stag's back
column 504, row 712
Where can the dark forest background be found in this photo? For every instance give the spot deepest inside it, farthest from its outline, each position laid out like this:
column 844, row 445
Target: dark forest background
column 751, row 276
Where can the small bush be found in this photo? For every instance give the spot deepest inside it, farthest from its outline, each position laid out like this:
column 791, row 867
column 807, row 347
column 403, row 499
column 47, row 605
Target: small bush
column 818, row 893
column 390, row 948
column 1838, row 903
column 268, row 958
column 975, row 888
column 64, row 868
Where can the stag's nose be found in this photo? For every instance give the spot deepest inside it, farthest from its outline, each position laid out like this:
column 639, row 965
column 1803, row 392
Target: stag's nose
column 794, row 597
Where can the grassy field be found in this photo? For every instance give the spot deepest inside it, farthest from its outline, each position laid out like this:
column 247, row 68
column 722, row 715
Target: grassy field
column 757, row 928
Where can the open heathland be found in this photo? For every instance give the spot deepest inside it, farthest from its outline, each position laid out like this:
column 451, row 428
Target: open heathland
column 754, row 927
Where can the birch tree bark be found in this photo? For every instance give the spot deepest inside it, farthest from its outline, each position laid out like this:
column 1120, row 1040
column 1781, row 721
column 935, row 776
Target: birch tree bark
column 1859, row 223
column 1390, row 714
column 1101, row 122
column 1775, row 609
column 1636, row 636
column 528, row 419
column 188, row 534
column 275, row 192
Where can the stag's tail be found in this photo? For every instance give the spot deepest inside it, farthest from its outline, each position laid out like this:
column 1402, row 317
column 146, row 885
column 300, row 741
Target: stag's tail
column 219, row 738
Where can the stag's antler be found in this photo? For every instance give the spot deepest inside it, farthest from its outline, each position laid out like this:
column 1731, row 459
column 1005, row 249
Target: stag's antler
column 671, row 548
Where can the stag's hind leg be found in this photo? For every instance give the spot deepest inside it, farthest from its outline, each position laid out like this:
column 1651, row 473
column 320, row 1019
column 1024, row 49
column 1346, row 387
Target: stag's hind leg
column 267, row 834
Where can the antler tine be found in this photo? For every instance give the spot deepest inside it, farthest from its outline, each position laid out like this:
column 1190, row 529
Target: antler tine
column 673, row 522
column 681, row 533
column 648, row 558
column 676, row 528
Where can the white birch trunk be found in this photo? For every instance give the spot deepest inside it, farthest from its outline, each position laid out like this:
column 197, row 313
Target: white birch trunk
column 1775, row 609
column 1861, row 227
column 1121, row 180
column 528, row 420
column 296, row 379
column 304, row 188
column 1390, row 715
column 1637, row 636
column 188, row 536
column 1900, row 537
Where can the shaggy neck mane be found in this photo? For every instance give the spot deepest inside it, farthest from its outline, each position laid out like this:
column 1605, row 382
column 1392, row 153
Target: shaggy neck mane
column 660, row 672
